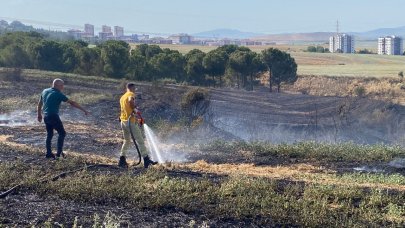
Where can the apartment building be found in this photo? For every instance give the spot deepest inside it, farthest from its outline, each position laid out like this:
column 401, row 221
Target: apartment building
column 390, row 45
column 89, row 30
column 341, row 43
column 118, row 31
column 181, row 38
column 105, row 33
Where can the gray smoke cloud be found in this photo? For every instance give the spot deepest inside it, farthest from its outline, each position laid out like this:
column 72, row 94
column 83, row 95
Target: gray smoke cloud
column 18, row 118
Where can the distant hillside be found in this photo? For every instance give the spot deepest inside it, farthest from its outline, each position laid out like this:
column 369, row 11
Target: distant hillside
column 226, row 33
column 16, row 26
column 324, row 36
column 374, row 34
column 315, row 36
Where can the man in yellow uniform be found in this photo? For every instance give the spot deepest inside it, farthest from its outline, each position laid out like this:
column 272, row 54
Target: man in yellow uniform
column 127, row 103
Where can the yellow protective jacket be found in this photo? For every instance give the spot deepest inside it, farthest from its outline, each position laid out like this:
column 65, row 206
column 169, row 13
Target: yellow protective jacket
column 126, row 109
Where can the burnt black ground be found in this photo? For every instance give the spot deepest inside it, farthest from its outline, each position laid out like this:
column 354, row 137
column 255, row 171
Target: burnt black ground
column 234, row 115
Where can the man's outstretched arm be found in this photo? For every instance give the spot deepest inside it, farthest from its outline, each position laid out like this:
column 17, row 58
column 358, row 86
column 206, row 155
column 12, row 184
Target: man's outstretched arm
column 76, row 105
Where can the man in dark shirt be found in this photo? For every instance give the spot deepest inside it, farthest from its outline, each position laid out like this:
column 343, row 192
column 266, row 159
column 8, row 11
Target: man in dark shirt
column 49, row 104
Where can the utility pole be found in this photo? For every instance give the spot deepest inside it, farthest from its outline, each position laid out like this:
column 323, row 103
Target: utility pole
column 337, row 27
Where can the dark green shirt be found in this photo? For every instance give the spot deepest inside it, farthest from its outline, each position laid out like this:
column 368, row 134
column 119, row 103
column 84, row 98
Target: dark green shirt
column 51, row 99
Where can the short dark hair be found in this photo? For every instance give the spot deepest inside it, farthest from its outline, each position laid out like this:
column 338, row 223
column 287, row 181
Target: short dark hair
column 130, row 85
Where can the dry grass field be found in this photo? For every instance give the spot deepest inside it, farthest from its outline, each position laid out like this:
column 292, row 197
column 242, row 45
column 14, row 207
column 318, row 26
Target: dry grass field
column 327, row 64
column 354, row 65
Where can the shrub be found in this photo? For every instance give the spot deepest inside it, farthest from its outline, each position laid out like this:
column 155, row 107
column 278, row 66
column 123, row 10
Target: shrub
column 195, row 104
column 360, row 91
column 401, row 75
column 311, row 49
column 365, row 51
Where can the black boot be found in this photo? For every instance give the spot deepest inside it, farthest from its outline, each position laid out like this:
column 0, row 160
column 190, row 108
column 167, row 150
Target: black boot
column 147, row 162
column 123, row 162
column 50, row 155
column 60, row 155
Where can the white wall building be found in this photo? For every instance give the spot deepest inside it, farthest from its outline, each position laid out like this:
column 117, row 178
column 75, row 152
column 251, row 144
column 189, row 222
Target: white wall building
column 105, row 33
column 105, row 28
column 390, row 45
column 341, row 43
column 181, row 38
column 89, row 30
column 77, row 34
column 118, row 31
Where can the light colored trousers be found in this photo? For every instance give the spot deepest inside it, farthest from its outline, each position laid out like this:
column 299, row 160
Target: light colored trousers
column 136, row 130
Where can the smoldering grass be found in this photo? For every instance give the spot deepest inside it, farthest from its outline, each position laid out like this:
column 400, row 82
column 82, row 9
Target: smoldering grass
column 342, row 152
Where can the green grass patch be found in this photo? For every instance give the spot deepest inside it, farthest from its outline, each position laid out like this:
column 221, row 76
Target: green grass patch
column 237, row 197
column 263, row 200
column 344, row 152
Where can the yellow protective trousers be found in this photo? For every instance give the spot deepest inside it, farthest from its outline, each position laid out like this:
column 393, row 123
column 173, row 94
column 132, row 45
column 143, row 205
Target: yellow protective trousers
column 136, row 130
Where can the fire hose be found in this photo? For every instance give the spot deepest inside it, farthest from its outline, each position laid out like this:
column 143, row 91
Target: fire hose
column 141, row 121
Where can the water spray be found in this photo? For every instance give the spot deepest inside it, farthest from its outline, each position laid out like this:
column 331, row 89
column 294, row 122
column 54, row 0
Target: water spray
column 150, row 138
column 153, row 144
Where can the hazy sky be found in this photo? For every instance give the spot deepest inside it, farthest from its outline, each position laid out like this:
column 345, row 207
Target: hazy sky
column 190, row 16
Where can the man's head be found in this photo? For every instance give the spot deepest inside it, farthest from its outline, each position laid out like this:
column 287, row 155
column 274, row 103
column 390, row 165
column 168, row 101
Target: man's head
column 131, row 86
column 58, row 84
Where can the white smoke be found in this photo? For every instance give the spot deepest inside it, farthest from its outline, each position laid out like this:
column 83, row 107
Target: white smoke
column 18, row 118
column 398, row 163
column 368, row 169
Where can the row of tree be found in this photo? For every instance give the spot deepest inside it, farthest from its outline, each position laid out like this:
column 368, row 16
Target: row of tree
column 228, row 65
column 318, row 49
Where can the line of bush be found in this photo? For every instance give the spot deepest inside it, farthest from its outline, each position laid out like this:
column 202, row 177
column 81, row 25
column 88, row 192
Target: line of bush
column 229, row 65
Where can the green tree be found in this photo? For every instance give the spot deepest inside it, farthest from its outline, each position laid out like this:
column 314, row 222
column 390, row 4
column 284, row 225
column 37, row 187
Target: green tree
column 214, row 63
column 139, row 68
column 147, row 51
column 231, row 48
column 320, row 49
column 70, row 57
column 115, row 58
column 365, row 51
column 194, row 68
column 16, row 49
column 281, row 67
column 14, row 56
column 48, row 55
column 89, row 61
column 311, row 49
column 247, row 65
column 168, row 65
